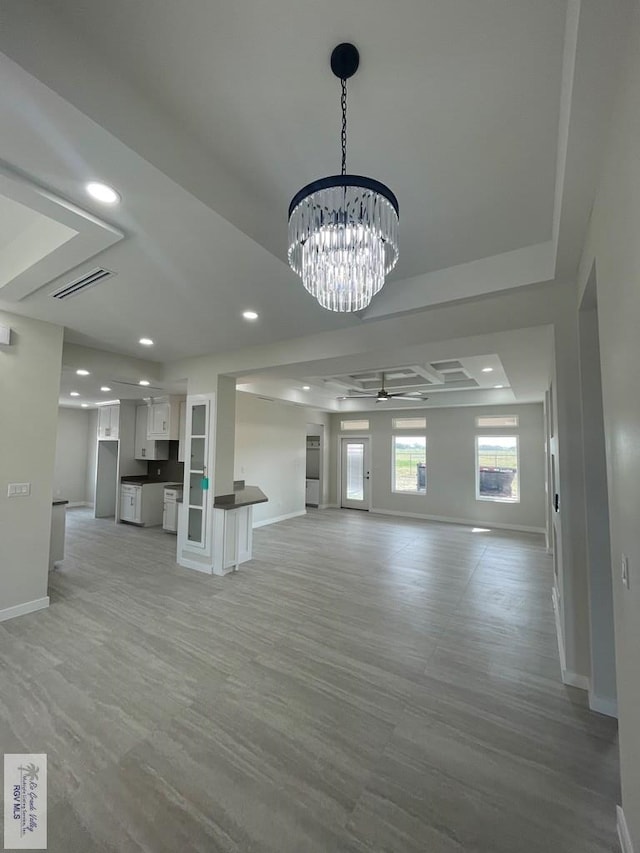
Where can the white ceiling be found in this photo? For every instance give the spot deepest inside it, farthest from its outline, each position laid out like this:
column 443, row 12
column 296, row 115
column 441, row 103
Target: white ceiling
column 208, row 116
column 455, row 105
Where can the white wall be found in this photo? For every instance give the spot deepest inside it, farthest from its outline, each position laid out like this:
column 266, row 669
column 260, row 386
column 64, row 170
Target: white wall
column 451, row 483
column 92, row 445
column 614, row 245
column 72, row 444
column 270, row 452
column 29, row 387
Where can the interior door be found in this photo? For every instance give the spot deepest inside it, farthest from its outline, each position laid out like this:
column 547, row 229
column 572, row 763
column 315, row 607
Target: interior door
column 355, row 473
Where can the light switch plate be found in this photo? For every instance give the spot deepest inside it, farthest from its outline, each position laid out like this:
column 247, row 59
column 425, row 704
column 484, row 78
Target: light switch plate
column 19, row 490
column 625, row 570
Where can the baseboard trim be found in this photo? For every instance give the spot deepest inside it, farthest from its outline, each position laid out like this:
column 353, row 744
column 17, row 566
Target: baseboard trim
column 520, row 528
column 623, row 831
column 571, row 679
column 73, row 504
column 277, row 518
column 559, row 634
column 602, row 705
column 198, row 567
column 23, row 609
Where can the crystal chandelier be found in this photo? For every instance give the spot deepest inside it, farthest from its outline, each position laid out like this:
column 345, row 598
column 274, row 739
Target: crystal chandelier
column 343, row 229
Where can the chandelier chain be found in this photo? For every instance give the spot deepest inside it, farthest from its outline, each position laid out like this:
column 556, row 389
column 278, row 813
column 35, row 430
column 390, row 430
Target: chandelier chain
column 343, row 104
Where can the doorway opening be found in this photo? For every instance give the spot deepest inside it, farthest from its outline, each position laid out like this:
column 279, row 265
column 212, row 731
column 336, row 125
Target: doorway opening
column 355, row 475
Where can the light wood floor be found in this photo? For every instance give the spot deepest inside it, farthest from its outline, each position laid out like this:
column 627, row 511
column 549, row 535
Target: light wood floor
column 365, row 684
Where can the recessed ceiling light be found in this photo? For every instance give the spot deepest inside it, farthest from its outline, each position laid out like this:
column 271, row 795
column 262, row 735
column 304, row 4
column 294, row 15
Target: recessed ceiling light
column 74, row 393
column 250, row 315
column 306, row 387
column 146, row 342
column 105, row 388
column 84, row 405
column 487, row 369
column 102, row 192
column 498, row 386
column 82, row 372
column 143, row 382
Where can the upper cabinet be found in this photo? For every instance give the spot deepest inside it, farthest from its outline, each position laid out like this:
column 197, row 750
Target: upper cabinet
column 163, row 419
column 109, row 421
column 146, row 448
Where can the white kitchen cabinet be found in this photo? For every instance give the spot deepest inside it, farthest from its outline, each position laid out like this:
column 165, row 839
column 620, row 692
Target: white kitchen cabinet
column 142, row 503
column 163, row 419
column 313, row 493
column 232, row 538
column 145, row 448
column 108, row 421
column 131, row 503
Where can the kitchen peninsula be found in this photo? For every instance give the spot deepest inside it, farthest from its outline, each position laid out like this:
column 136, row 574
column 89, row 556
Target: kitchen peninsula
column 233, row 526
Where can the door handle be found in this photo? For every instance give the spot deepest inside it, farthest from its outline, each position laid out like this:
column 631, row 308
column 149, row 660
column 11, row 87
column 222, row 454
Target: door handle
column 144, row 452
column 556, row 502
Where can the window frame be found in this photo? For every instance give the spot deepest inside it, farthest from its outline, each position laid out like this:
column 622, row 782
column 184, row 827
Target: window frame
column 394, row 490
column 488, row 498
column 420, row 427
column 359, row 425
column 480, row 425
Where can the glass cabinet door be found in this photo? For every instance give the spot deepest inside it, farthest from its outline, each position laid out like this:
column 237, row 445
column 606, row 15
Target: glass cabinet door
column 196, row 492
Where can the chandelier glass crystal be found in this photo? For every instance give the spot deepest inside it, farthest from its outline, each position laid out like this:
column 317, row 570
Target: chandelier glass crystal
column 343, row 229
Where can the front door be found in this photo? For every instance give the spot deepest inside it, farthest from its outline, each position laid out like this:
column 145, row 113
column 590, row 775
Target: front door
column 355, row 473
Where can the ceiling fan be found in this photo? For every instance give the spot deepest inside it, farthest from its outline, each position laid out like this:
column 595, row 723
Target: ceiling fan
column 383, row 396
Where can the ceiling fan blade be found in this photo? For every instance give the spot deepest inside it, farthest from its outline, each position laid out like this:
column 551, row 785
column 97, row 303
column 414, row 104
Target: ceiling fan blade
column 417, row 397
column 360, row 396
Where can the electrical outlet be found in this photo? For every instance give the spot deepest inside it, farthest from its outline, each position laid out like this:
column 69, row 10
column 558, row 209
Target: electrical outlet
column 625, row 571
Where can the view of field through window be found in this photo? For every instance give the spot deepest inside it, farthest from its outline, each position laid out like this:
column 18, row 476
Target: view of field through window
column 410, row 464
column 497, row 468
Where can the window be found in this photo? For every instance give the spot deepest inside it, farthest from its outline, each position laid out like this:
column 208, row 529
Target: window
column 410, row 464
column 497, row 468
column 409, row 423
column 353, row 425
column 497, row 421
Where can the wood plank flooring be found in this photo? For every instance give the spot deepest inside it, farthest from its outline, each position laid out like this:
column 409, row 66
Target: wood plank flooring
column 364, row 684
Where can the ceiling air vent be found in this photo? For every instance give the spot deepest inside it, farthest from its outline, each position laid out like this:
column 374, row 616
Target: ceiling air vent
column 74, row 288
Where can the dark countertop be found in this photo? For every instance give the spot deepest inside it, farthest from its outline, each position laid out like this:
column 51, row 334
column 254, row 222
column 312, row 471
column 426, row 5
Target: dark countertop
column 244, row 496
column 59, row 502
column 143, row 480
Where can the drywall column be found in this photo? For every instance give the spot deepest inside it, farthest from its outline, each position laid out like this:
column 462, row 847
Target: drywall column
column 225, row 435
column 570, row 488
column 30, row 370
column 602, row 693
column 613, row 244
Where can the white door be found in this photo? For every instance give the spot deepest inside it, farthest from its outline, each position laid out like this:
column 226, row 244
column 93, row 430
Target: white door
column 355, row 476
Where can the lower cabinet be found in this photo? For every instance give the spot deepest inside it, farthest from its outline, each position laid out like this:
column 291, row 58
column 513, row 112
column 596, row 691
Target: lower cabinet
column 232, row 537
column 141, row 503
column 313, row 493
